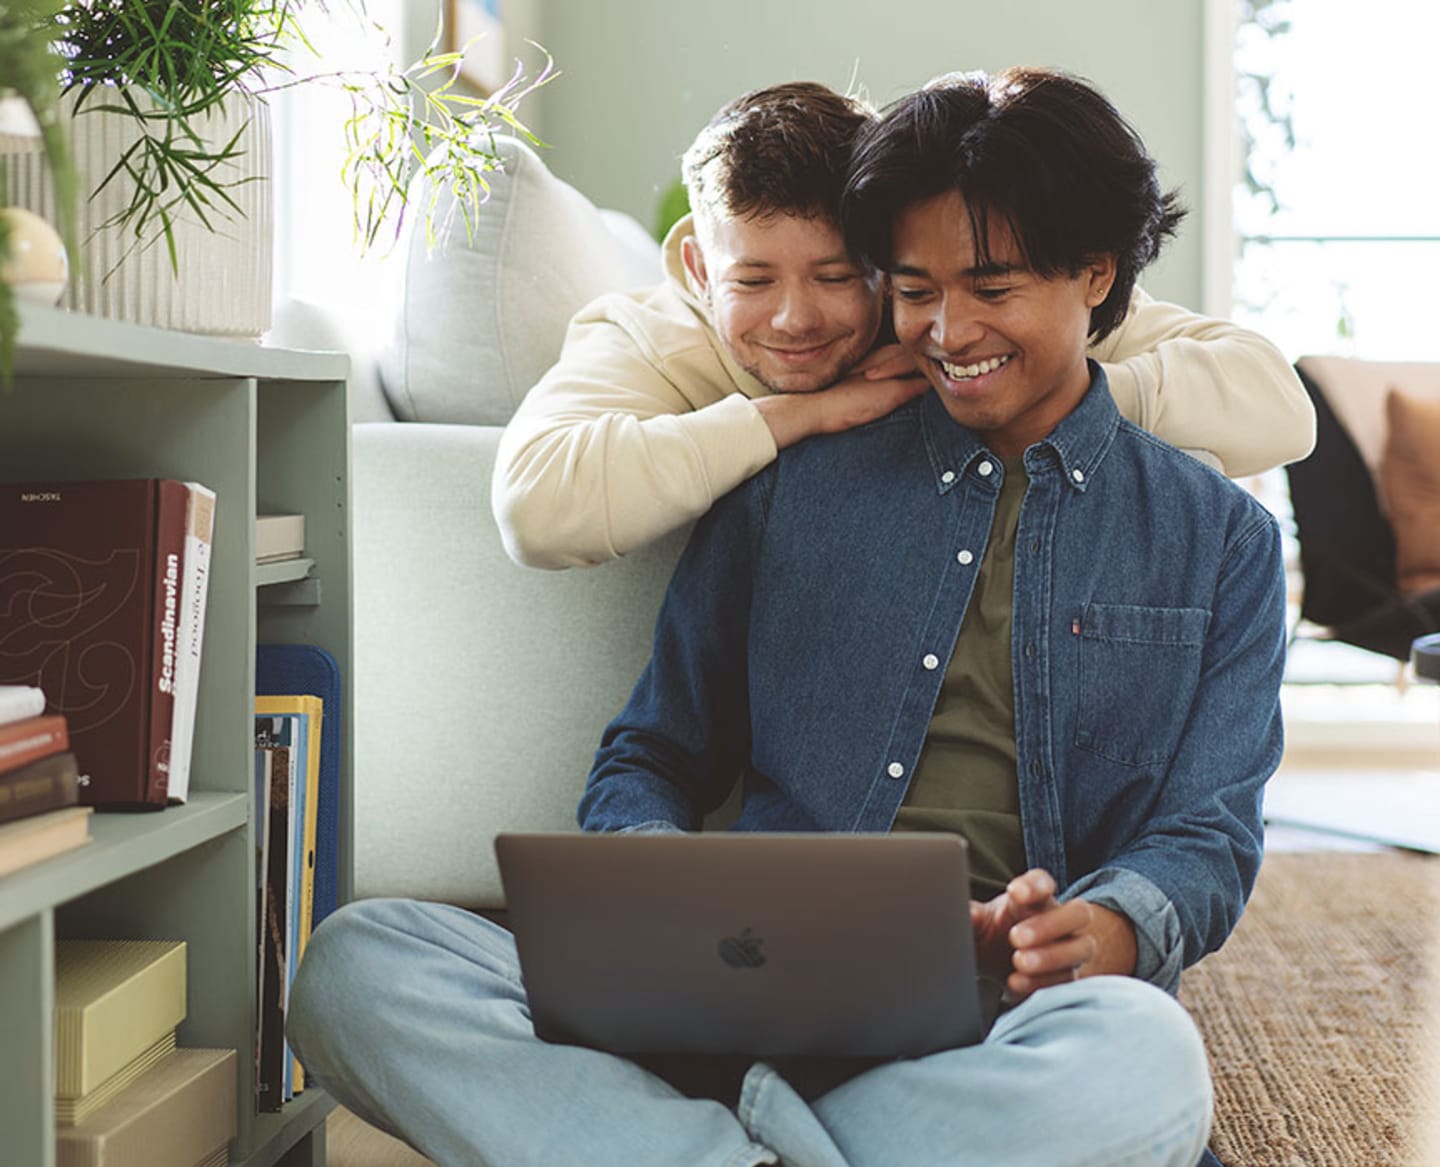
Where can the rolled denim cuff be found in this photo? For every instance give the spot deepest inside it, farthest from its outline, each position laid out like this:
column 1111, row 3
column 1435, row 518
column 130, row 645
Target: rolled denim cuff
column 1159, row 946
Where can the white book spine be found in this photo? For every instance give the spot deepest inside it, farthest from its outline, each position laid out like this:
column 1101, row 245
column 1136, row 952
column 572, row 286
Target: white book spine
column 194, row 587
column 18, row 702
column 279, row 537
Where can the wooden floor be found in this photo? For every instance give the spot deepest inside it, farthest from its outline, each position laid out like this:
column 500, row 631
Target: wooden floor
column 352, row 1142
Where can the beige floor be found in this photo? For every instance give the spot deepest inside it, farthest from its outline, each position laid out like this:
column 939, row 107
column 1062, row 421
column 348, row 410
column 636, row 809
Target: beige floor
column 352, row 1142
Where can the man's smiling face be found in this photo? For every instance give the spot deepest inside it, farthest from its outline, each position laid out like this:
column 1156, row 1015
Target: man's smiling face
column 787, row 300
column 1003, row 346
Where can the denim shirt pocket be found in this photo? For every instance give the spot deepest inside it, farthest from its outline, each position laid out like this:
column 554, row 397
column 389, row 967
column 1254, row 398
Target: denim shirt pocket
column 1139, row 667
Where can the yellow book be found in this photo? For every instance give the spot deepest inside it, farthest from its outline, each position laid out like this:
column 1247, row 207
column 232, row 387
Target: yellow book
column 313, row 707
column 114, row 999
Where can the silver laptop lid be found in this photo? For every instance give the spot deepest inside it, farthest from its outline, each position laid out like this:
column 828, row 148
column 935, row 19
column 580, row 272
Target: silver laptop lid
column 758, row 944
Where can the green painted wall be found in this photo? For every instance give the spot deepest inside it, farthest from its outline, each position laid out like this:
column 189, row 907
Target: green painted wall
column 641, row 76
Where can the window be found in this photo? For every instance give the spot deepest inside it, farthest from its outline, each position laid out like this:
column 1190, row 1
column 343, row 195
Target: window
column 317, row 257
column 1338, row 209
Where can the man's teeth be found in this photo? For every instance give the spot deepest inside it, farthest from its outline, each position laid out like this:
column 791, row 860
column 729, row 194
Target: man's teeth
column 966, row 372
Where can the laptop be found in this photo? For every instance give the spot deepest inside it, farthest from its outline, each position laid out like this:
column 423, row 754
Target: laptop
column 767, row 945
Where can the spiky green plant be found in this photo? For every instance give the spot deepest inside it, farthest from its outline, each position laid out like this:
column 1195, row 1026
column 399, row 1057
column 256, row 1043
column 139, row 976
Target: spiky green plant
column 168, row 64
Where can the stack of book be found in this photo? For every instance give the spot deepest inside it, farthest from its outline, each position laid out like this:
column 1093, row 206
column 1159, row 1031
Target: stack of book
column 297, row 774
column 39, row 782
column 124, row 1094
column 106, row 583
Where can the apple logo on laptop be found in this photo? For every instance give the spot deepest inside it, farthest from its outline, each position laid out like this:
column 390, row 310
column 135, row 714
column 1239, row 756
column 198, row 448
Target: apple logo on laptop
column 742, row 951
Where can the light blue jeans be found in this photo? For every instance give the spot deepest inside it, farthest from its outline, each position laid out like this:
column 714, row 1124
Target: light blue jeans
column 413, row 1016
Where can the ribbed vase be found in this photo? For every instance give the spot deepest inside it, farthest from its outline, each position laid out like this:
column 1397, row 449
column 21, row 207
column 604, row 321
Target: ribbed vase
column 221, row 284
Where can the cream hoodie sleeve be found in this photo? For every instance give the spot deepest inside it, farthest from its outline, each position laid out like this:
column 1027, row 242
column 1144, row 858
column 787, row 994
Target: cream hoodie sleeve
column 1218, row 391
column 627, row 438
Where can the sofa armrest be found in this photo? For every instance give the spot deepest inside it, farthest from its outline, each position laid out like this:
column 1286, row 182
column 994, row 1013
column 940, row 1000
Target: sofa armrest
column 481, row 688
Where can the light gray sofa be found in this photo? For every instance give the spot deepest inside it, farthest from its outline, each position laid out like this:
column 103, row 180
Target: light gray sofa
column 481, row 688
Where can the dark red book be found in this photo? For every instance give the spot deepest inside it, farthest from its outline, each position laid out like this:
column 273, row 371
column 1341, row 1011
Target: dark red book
column 34, row 737
column 90, row 578
column 50, row 783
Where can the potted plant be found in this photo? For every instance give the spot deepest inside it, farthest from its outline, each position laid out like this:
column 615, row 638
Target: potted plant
column 167, row 68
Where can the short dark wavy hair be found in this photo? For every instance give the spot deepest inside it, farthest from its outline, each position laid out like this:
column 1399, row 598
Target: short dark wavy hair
column 1043, row 150
column 783, row 149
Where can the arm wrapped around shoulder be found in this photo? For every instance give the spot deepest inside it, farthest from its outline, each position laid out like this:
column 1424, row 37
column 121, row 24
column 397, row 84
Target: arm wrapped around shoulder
column 1208, row 386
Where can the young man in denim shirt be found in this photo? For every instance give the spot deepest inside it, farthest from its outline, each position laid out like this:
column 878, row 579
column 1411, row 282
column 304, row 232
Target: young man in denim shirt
column 1001, row 610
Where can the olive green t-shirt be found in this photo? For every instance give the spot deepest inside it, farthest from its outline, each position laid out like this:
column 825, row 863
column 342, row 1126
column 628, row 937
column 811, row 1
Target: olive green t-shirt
column 965, row 780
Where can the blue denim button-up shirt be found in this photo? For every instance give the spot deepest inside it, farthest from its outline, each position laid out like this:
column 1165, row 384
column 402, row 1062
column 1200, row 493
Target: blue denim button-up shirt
column 1147, row 645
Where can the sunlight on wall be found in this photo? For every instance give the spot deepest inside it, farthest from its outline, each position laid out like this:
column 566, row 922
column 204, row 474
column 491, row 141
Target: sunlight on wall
column 317, row 252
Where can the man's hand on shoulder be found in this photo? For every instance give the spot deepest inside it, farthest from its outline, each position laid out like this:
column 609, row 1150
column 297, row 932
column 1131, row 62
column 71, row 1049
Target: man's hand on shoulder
column 880, row 384
column 1033, row 941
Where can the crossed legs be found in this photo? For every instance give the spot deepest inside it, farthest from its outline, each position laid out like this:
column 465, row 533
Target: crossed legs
column 413, row 1016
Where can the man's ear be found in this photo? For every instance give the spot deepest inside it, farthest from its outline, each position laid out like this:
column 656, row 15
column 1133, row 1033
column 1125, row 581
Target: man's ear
column 694, row 259
column 1100, row 278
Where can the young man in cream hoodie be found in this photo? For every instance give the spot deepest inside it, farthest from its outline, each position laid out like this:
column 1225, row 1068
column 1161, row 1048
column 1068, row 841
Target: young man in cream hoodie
column 765, row 332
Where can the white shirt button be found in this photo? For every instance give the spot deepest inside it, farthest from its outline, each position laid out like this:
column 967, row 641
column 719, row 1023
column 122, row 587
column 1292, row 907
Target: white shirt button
column 985, row 469
column 1078, row 474
column 931, row 661
column 948, row 477
column 895, row 770
column 965, row 558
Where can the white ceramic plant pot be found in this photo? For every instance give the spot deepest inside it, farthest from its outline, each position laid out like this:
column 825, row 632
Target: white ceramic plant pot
column 221, row 284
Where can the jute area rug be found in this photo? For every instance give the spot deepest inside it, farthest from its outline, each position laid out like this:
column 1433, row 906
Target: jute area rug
column 1321, row 1014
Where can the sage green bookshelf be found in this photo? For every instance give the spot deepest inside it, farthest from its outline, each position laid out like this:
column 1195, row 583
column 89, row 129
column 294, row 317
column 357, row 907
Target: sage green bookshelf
column 268, row 430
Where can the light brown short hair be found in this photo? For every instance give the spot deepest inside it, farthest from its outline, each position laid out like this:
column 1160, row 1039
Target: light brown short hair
column 784, row 149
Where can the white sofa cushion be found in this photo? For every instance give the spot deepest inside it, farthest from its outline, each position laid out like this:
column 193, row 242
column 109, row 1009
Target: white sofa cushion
column 481, row 688
column 483, row 318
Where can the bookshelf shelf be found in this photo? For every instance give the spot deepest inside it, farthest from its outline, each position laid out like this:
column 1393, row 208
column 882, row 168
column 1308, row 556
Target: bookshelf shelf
column 56, row 343
column 121, row 844
column 269, row 431
column 286, row 571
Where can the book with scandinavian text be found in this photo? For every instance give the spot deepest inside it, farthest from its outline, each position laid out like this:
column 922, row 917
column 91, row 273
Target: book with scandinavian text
column 117, row 1003
column 30, row 738
column 20, row 701
column 308, row 668
column 190, row 632
column 296, row 721
column 42, row 836
column 179, row 1113
column 48, row 783
column 270, row 1083
column 91, row 572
